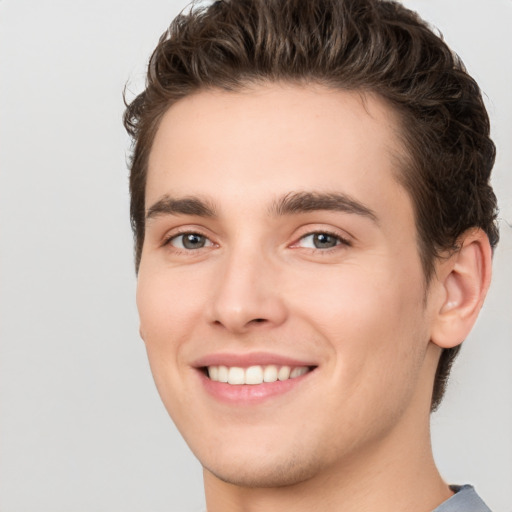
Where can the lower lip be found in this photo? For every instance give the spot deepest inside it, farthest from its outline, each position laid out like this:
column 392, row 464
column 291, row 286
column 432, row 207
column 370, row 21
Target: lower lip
column 250, row 393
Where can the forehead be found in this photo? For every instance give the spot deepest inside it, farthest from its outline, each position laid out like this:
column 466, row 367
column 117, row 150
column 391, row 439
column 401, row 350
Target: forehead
column 274, row 139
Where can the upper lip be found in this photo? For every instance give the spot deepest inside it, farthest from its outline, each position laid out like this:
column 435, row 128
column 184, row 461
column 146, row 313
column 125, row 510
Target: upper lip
column 249, row 359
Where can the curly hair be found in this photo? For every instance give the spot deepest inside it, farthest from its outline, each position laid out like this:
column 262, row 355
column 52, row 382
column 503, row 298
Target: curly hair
column 374, row 46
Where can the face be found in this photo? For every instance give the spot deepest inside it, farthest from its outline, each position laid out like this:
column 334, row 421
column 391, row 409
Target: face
column 280, row 291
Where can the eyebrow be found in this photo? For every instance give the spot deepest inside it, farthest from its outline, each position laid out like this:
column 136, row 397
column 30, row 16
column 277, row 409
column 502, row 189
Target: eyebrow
column 181, row 206
column 303, row 202
column 289, row 204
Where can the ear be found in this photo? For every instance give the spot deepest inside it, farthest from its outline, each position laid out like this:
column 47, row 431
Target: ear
column 463, row 281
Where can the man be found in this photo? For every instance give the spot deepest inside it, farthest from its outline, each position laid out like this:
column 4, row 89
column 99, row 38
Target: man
column 314, row 227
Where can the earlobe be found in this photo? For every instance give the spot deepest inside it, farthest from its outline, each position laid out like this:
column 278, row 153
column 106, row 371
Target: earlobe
column 464, row 279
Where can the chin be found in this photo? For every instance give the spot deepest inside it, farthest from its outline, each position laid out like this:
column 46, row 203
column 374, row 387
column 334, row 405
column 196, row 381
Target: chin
column 287, row 474
column 264, row 474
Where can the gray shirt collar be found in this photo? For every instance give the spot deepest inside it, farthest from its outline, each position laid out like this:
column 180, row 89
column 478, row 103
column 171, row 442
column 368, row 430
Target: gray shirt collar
column 465, row 499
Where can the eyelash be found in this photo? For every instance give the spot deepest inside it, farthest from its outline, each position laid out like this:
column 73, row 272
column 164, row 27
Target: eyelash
column 168, row 240
column 341, row 241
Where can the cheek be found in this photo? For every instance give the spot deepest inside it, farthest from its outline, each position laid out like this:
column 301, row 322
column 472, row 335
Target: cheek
column 168, row 313
column 166, row 306
column 372, row 317
column 165, row 319
column 359, row 296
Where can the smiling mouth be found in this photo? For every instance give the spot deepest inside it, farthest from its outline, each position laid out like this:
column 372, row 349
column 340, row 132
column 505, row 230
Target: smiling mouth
column 254, row 375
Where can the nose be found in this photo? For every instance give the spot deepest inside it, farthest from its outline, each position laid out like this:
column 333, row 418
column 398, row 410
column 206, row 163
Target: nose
column 247, row 294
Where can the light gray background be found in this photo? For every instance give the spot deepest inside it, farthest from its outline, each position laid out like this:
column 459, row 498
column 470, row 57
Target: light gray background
column 81, row 426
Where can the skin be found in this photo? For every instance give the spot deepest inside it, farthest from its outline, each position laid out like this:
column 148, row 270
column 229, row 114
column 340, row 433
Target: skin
column 360, row 310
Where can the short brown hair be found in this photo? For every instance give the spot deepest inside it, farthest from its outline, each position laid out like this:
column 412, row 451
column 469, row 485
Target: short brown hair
column 375, row 46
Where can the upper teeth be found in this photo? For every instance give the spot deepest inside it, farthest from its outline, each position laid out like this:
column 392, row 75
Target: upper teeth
column 254, row 374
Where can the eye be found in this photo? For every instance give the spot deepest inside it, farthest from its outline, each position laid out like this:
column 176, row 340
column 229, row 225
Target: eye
column 321, row 240
column 190, row 241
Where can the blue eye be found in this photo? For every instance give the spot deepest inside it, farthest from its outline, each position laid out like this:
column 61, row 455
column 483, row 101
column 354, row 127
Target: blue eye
column 320, row 241
column 190, row 241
